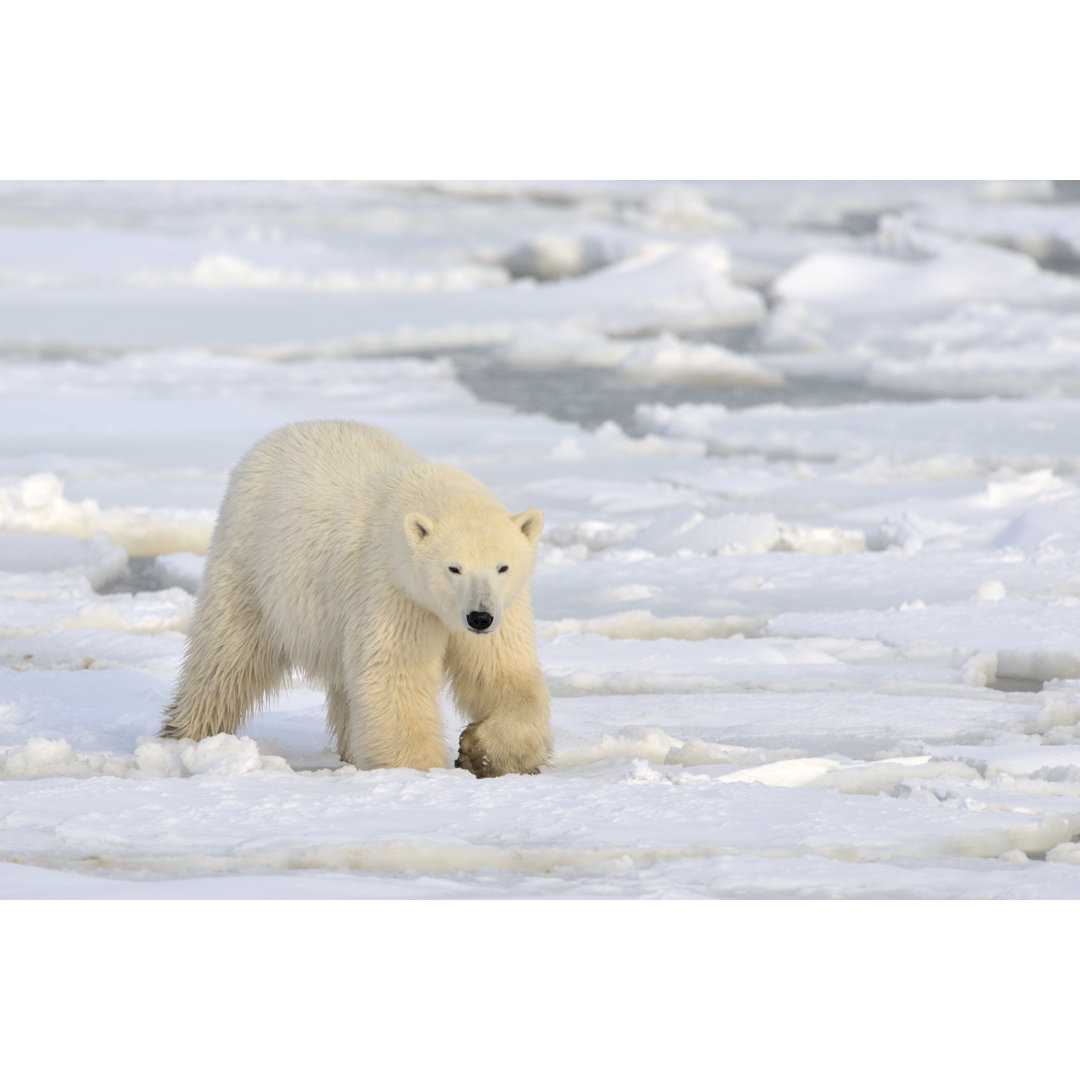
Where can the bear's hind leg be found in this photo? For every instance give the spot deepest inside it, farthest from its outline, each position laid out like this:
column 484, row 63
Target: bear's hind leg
column 337, row 719
column 230, row 668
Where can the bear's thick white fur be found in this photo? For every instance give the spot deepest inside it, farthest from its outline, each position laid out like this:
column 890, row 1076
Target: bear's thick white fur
column 342, row 552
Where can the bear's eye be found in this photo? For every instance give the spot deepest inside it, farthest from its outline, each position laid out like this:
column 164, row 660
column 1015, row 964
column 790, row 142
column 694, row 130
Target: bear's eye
column 454, row 569
column 502, row 569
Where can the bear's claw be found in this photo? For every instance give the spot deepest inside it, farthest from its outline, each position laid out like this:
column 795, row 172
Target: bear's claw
column 477, row 762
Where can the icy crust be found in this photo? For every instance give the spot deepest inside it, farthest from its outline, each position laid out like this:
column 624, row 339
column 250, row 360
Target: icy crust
column 224, row 270
column 933, row 437
column 351, row 820
column 1012, row 876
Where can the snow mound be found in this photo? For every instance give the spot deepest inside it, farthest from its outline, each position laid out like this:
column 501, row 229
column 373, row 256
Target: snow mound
column 664, row 358
column 740, row 534
column 37, row 505
column 870, row 778
column 682, row 208
column 552, row 348
column 553, row 256
column 798, row 772
column 39, row 757
column 1049, row 234
column 221, row 755
column 687, row 289
column 915, row 272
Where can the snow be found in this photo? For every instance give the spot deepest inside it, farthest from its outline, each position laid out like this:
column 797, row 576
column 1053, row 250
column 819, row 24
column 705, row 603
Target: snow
column 807, row 598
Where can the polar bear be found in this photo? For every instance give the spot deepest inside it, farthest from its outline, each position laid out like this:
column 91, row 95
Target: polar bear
column 342, row 552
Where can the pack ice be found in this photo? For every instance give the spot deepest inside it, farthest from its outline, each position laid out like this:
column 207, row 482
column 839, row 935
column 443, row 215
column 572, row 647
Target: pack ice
column 808, row 597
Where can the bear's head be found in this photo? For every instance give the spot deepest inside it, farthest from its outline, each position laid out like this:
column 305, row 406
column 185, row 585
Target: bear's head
column 468, row 568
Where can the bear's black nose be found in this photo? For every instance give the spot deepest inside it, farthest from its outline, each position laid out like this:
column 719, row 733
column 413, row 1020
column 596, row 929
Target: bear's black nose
column 479, row 620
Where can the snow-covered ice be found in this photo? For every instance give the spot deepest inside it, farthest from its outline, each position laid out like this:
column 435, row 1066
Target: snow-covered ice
column 808, row 598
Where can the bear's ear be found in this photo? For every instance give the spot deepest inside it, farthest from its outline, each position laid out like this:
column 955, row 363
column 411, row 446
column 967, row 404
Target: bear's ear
column 530, row 522
column 418, row 528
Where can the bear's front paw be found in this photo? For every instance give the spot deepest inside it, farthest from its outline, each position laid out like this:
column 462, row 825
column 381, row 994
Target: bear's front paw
column 479, row 760
column 472, row 756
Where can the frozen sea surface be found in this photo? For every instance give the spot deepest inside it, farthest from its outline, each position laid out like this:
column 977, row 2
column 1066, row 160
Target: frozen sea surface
column 808, row 597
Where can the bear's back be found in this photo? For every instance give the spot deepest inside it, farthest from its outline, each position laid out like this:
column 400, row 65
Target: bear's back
column 324, row 461
column 330, row 446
